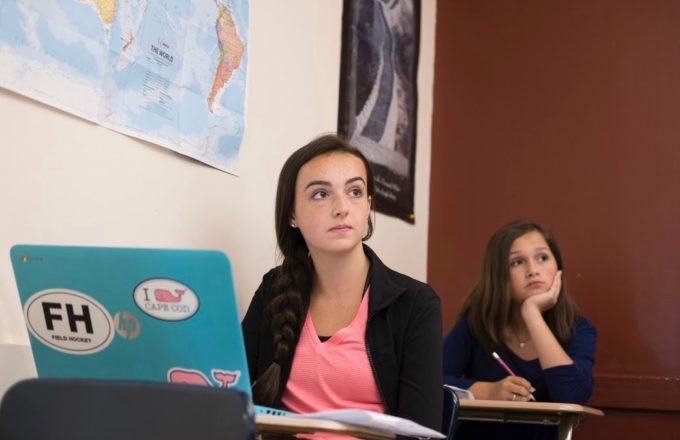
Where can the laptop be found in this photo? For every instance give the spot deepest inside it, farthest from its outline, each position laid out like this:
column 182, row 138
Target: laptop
column 164, row 315
column 161, row 315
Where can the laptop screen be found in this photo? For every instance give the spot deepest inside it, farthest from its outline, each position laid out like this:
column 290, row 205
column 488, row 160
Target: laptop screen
column 136, row 314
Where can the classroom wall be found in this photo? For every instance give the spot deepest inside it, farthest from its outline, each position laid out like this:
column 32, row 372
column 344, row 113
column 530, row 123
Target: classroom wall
column 66, row 181
column 567, row 113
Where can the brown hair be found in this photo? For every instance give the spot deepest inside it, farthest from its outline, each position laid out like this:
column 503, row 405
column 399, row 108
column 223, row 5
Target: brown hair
column 293, row 284
column 488, row 303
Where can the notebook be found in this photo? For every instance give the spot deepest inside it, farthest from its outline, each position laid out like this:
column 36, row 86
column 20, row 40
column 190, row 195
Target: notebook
column 163, row 315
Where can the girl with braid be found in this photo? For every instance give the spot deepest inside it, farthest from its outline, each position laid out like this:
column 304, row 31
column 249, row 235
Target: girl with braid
column 332, row 327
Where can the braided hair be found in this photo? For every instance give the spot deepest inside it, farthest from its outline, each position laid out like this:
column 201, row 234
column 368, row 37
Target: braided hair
column 293, row 284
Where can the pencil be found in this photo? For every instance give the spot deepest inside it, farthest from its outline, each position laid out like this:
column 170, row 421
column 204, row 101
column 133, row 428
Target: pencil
column 508, row 369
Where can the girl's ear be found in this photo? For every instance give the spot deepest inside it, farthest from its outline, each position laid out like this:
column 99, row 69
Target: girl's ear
column 370, row 201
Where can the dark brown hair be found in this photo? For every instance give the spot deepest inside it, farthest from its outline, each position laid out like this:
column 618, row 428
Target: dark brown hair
column 488, row 303
column 294, row 281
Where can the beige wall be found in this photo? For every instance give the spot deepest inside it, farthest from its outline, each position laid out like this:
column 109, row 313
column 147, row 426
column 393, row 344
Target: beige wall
column 66, row 181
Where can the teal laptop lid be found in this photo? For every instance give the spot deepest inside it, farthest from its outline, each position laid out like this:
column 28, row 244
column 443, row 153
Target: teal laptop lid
column 136, row 314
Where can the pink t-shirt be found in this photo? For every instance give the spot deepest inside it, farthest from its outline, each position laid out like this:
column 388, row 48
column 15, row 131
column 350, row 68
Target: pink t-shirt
column 334, row 374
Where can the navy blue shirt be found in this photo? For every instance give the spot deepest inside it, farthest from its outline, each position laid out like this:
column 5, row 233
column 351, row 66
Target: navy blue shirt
column 466, row 361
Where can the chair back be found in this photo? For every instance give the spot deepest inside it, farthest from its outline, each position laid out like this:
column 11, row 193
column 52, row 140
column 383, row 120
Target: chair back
column 76, row 409
column 450, row 416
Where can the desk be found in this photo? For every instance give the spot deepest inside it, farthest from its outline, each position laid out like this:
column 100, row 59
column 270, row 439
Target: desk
column 267, row 426
column 566, row 415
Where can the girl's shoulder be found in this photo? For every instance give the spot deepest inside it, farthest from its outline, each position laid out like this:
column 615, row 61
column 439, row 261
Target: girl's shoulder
column 388, row 282
column 583, row 325
column 266, row 289
column 271, row 275
column 583, row 322
column 461, row 326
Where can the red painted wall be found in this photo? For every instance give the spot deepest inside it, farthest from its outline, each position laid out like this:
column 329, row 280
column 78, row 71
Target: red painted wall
column 569, row 113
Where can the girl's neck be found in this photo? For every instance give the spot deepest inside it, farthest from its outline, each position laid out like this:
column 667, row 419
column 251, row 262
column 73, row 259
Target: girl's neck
column 337, row 274
column 516, row 323
column 517, row 334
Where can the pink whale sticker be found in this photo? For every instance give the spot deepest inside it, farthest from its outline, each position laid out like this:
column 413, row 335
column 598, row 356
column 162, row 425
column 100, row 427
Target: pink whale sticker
column 164, row 295
column 166, row 299
column 224, row 379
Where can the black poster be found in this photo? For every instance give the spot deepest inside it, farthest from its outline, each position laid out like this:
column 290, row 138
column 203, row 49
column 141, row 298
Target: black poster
column 378, row 95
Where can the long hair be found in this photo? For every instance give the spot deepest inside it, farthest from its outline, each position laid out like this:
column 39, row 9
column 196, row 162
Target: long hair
column 488, row 305
column 293, row 283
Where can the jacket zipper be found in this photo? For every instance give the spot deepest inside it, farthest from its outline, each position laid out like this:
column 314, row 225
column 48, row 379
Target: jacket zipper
column 375, row 376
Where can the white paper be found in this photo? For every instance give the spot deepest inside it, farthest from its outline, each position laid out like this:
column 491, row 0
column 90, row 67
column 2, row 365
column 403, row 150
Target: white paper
column 461, row 392
column 376, row 421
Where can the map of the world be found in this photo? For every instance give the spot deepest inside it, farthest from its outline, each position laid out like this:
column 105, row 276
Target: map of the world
column 171, row 72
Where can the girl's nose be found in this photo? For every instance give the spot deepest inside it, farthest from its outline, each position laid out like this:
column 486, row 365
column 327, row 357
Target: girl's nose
column 341, row 207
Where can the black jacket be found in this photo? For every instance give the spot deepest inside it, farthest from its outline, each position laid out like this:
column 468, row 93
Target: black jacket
column 403, row 338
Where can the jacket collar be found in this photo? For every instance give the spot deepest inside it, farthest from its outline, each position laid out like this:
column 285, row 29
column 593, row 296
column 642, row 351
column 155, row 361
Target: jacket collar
column 384, row 290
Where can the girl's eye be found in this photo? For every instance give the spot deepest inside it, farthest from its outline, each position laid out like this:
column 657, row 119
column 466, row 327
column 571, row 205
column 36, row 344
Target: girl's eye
column 543, row 257
column 355, row 192
column 515, row 263
column 318, row 195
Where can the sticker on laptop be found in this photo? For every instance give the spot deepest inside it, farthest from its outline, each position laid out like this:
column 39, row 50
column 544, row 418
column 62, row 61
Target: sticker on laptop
column 69, row 321
column 166, row 299
column 223, row 378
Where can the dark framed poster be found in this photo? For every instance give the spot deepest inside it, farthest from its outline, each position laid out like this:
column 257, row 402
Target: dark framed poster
column 378, row 95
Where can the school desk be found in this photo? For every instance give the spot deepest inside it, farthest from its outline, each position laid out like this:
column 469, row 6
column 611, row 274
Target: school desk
column 565, row 415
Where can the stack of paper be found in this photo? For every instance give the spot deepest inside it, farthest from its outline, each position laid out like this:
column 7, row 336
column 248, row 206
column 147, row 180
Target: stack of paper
column 461, row 392
column 373, row 420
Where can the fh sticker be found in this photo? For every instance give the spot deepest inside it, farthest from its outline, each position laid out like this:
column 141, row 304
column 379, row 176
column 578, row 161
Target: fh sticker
column 69, row 321
column 166, row 299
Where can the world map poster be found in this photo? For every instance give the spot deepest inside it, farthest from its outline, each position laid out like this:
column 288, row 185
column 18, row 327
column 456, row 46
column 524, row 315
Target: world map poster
column 171, row 72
